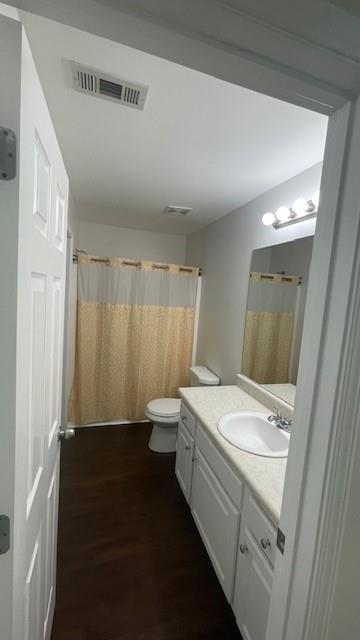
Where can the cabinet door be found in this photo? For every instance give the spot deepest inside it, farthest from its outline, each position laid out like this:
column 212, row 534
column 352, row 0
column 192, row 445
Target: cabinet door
column 184, row 460
column 217, row 519
column 252, row 588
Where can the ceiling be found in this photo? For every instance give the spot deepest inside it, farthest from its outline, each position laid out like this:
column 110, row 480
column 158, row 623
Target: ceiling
column 200, row 142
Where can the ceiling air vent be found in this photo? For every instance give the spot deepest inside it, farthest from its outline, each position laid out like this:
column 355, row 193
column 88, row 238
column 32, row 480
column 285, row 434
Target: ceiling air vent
column 177, row 211
column 105, row 86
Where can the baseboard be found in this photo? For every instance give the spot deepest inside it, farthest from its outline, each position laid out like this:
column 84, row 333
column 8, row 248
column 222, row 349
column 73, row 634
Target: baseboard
column 112, row 423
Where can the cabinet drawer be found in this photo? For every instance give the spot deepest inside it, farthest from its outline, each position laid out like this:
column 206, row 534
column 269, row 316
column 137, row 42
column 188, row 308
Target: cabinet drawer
column 231, row 482
column 187, row 418
column 261, row 527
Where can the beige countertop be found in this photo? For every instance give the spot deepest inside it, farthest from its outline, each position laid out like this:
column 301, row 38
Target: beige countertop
column 264, row 476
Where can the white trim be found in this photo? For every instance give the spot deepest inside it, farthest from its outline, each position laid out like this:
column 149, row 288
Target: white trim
column 325, row 421
column 195, row 42
column 345, row 424
column 341, row 466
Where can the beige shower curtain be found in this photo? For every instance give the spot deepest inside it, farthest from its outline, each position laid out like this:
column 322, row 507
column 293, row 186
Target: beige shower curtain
column 269, row 327
column 135, row 325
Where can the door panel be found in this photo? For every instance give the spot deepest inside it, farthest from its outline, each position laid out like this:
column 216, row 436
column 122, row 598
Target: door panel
column 184, row 463
column 252, row 589
column 37, row 345
column 33, row 594
column 42, row 176
column 217, row 519
column 56, row 357
column 50, row 550
column 59, row 232
column 33, row 218
column 39, row 199
column 41, row 270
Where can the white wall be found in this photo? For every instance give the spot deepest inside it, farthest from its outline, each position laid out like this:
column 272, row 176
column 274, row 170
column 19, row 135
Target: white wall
column 223, row 250
column 108, row 240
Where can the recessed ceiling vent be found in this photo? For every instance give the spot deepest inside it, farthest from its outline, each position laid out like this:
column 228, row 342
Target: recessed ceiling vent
column 102, row 85
column 175, row 210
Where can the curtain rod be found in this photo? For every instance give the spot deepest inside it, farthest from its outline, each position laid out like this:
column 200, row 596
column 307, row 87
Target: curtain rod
column 277, row 277
column 128, row 263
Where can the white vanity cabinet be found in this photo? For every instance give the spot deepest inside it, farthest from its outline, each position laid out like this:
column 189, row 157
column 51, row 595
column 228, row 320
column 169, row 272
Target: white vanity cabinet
column 254, row 571
column 239, row 537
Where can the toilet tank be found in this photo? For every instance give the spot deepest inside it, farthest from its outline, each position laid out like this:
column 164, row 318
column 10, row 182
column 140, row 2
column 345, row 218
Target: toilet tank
column 202, row 377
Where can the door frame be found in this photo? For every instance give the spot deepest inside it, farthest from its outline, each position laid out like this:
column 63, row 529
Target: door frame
column 65, row 381
column 327, row 413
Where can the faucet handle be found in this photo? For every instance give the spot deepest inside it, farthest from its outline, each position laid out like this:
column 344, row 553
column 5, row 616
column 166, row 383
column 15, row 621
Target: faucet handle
column 277, row 413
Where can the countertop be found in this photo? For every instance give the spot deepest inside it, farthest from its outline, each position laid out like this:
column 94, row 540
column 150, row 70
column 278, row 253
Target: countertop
column 264, row 476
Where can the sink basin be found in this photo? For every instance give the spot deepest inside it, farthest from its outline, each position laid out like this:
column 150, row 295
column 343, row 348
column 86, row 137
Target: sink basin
column 252, row 432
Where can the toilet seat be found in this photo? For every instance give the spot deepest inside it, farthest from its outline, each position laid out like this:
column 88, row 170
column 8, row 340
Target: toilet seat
column 164, row 408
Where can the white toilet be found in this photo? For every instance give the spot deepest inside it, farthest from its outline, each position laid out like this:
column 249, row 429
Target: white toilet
column 164, row 413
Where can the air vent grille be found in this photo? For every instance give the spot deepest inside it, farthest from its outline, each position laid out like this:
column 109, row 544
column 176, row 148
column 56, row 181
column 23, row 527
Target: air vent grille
column 176, row 210
column 86, row 81
column 102, row 85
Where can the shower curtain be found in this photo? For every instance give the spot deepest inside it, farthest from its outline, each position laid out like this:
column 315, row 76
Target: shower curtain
column 269, row 327
column 135, row 325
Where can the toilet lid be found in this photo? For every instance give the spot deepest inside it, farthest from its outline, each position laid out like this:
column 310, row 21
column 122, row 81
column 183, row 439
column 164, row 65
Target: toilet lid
column 164, row 407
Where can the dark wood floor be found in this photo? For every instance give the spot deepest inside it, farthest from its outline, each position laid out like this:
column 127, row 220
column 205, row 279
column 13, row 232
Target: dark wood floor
column 131, row 564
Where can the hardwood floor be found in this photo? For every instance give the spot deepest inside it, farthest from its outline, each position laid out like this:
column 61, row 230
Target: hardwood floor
column 131, row 564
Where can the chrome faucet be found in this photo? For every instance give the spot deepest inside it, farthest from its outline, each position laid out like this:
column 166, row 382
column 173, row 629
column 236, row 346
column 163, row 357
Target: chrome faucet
column 279, row 421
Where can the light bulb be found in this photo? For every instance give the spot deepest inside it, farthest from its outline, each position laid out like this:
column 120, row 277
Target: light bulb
column 316, row 199
column 300, row 206
column 283, row 214
column 268, row 219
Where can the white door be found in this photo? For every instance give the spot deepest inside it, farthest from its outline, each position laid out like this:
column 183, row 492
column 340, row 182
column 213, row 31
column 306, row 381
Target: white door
column 34, row 206
column 252, row 588
column 184, row 459
column 217, row 519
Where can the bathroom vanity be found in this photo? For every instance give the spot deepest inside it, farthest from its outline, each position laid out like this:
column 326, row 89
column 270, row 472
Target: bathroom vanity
column 235, row 499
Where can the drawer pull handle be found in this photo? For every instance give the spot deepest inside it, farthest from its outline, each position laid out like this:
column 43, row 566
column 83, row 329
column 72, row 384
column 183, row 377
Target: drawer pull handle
column 187, row 447
column 194, row 459
column 184, row 419
column 243, row 548
column 265, row 543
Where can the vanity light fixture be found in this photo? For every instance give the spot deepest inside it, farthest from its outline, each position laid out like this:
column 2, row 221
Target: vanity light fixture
column 301, row 210
column 268, row 219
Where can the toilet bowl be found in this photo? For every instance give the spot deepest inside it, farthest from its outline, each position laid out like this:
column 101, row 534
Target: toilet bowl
column 164, row 413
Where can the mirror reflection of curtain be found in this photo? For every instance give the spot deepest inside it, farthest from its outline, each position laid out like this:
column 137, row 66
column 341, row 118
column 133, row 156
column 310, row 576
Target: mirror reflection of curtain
column 269, row 327
column 134, row 338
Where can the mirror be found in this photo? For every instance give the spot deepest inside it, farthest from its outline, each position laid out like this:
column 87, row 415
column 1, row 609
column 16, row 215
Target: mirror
column 275, row 315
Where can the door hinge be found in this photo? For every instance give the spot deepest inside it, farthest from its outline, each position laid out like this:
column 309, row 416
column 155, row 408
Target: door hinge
column 4, row 534
column 7, row 154
column 280, row 541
